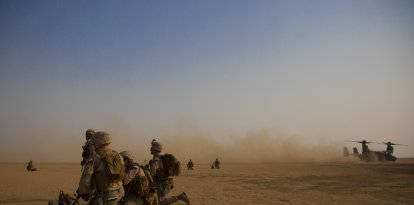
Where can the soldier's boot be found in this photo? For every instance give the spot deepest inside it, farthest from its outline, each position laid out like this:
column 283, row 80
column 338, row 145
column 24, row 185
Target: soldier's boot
column 183, row 197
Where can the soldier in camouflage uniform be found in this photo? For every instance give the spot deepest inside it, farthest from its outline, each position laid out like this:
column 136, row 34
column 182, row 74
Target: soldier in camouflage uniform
column 105, row 182
column 163, row 183
column 88, row 155
column 137, row 183
column 88, row 149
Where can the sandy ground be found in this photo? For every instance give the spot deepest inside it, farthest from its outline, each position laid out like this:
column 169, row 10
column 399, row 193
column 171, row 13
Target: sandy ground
column 280, row 183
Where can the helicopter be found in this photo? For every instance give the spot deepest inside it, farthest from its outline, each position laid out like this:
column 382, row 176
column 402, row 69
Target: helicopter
column 370, row 155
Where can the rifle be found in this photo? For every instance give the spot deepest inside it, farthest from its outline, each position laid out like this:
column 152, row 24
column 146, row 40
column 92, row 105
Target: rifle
column 76, row 200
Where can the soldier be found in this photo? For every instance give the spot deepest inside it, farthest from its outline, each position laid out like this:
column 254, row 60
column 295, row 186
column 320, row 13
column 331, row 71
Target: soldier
column 190, row 165
column 88, row 155
column 105, row 180
column 30, row 167
column 136, row 183
column 88, row 149
column 216, row 164
column 163, row 182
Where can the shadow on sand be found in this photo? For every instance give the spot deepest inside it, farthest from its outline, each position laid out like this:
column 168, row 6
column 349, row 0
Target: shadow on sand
column 22, row 201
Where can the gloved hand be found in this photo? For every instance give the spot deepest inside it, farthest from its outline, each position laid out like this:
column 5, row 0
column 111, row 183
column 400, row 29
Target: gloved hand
column 153, row 190
column 84, row 196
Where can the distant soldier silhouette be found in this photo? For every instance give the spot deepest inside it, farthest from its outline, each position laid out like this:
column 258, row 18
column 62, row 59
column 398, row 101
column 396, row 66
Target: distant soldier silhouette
column 216, row 164
column 190, row 165
column 137, row 184
column 104, row 187
column 30, row 167
column 163, row 181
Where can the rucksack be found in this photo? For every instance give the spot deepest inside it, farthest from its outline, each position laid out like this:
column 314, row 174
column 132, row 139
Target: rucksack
column 114, row 165
column 172, row 165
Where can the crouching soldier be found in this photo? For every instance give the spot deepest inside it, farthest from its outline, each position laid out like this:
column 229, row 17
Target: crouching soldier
column 105, row 184
column 162, row 168
column 30, row 167
column 137, row 183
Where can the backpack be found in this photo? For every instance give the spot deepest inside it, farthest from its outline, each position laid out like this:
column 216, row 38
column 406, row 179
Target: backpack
column 172, row 165
column 114, row 165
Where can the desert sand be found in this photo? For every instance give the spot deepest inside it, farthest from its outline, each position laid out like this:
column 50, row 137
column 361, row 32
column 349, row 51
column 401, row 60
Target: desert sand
column 345, row 182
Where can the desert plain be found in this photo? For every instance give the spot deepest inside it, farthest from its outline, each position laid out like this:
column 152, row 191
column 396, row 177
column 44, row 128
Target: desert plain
column 329, row 183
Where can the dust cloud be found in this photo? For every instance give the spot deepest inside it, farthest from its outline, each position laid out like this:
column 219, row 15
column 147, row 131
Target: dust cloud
column 58, row 144
column 253, row 147
column 189, row 141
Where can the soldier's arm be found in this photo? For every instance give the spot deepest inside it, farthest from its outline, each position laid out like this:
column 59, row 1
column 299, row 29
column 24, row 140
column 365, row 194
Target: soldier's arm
column 148, row 176
column 153, row 167
column 130, row 175
column 142, row 176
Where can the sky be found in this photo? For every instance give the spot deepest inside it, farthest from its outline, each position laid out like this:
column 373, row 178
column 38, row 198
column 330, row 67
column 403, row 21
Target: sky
column 220, row 73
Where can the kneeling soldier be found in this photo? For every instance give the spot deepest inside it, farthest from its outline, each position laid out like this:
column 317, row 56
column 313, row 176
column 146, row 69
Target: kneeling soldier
column 136, row 183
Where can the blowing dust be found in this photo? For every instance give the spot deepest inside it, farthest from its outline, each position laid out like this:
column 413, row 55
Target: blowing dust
column 185, row 142
column 253, row 147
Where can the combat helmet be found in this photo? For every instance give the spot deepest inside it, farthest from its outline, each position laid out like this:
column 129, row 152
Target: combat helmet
column 156, row 146
column 102, row 138
column 127, row 156
column 89, row 133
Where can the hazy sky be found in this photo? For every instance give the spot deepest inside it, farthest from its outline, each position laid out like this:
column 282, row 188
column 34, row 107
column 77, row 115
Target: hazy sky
column 315, row 71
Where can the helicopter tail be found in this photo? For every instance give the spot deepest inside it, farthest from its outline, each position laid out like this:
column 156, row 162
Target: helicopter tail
column 355, row 151
column 346, row 152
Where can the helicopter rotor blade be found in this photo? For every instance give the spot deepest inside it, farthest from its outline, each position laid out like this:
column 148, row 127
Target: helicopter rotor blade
column 394, row 143
column 354, row 141
column 360, row 141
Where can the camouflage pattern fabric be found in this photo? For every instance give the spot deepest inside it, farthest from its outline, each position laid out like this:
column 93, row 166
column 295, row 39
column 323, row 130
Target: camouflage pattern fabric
column 64, row 199
column 96, row 180
column 85, row 183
